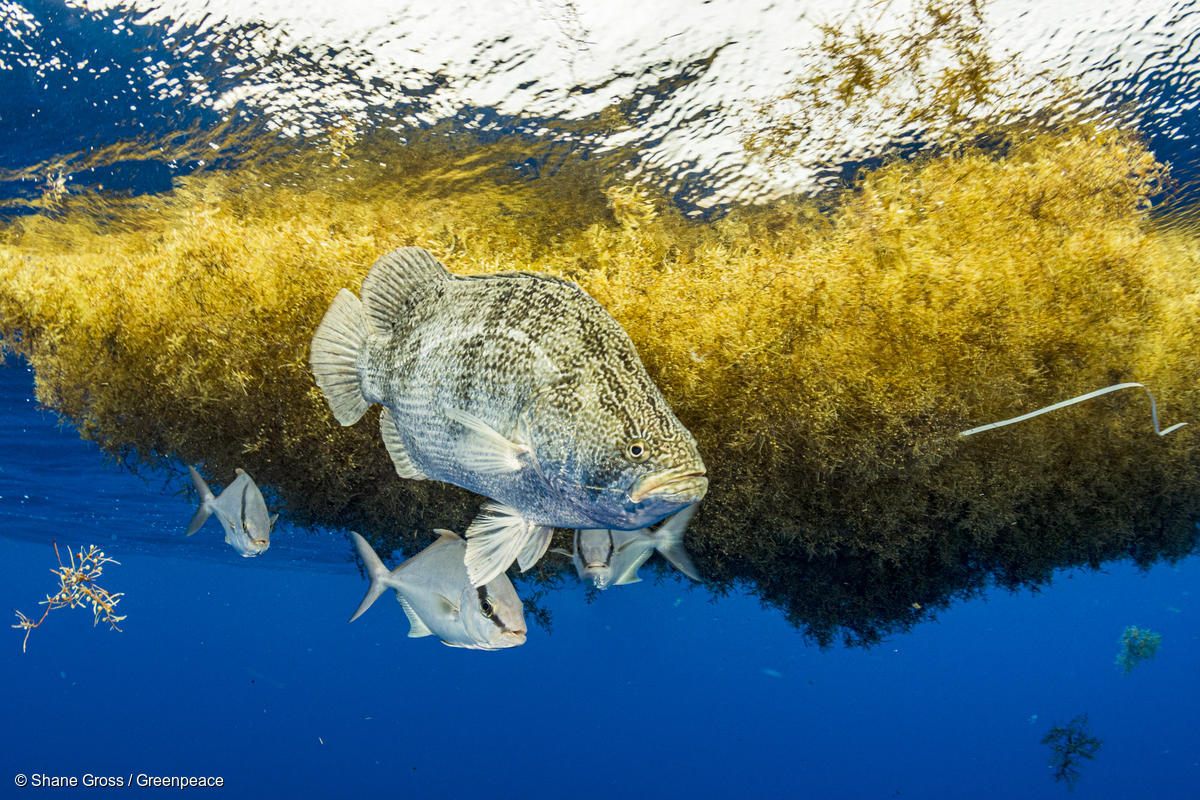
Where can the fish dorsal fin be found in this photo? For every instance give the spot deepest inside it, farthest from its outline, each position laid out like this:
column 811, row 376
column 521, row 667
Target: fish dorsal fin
column 418, row 628
column 395, row 279
column 405, row 467
column 446, row 536
column 489, row 451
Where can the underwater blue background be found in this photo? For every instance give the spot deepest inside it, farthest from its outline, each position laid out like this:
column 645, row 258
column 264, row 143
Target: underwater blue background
column 247, row 669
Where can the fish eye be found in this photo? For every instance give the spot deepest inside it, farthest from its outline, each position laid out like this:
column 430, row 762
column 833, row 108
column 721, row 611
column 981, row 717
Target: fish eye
column 637, row 451
column 485, row 605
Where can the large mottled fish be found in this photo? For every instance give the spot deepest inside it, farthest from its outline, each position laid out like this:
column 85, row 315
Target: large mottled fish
column 240, row 509
column 518, row 386
column 439, row 599
column 612, row 558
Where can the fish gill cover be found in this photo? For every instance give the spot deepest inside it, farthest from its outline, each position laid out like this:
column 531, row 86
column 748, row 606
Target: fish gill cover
column 824, row 343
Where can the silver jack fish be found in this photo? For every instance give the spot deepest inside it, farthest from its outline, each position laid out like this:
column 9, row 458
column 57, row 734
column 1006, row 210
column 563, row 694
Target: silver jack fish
column 612, row 558
column 439, row 600
column 517, row 386
column 240, row 509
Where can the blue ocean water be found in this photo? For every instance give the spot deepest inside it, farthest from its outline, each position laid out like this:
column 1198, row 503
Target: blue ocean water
column 247, row 670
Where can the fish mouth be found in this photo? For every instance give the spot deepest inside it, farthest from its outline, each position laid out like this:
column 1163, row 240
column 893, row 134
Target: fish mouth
column 682, row 485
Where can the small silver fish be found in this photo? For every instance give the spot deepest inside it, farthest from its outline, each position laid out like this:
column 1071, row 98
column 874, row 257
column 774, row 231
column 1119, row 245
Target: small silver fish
column 240, row 509
column 517, row 386
column 439, row 599
column 612, row 558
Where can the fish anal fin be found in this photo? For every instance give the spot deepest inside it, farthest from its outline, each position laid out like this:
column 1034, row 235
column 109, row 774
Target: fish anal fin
column 535, row 547
column 394, row 281
column 495, row 539
column 417, row 628
column 403, row 462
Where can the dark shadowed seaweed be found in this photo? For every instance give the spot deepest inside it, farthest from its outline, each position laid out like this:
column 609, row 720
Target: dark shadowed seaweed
column 1072, row 744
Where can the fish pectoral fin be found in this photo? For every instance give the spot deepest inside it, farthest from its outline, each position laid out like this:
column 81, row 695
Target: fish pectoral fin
column 534, row 547
column 417, row 628
column 561, row 552
column 487, row 449
column 449, row 607
column 403, row 462
column 497, row 537
column 628, row 577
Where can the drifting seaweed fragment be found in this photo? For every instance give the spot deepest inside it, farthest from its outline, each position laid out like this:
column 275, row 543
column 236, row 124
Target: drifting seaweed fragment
column 1137, row 645
column 77, row 587
column 1071, row 744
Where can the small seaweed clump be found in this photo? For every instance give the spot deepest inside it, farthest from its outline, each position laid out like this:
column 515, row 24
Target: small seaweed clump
column 825, row 355
column 1072, row 744
column 77, row 587
column 1137, row 645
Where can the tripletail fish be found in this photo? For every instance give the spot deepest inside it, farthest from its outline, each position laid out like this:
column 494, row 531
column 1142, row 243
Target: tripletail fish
column 517, row 386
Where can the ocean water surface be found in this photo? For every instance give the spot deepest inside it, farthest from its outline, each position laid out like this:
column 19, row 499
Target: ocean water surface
column 837, row 236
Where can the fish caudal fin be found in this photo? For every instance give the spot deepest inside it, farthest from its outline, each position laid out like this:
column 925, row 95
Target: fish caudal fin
column 333, row 357
column 669, row 542
column 206, row 502
column 395, row 279
column 376, row 571
column 497, row 537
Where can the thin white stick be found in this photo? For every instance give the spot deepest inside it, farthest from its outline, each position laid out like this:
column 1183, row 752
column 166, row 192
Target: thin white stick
column 1114, row 388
